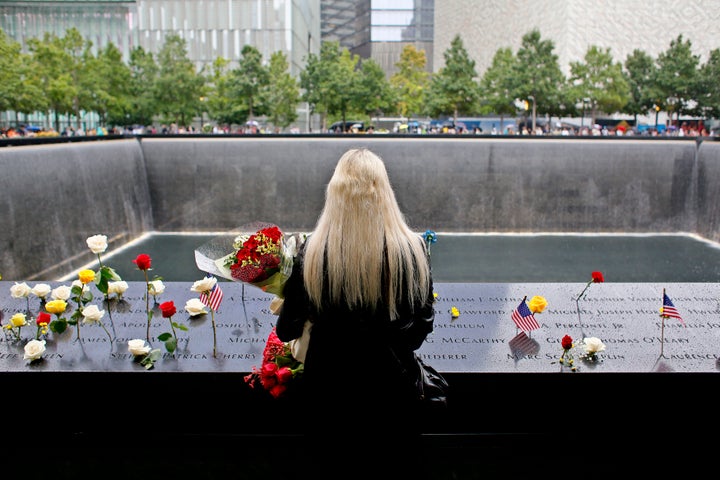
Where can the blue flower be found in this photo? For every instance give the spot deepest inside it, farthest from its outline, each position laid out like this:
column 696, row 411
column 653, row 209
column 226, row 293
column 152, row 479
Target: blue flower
column 430, row 238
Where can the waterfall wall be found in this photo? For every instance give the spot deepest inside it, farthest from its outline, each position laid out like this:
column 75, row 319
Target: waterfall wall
column 58, row 195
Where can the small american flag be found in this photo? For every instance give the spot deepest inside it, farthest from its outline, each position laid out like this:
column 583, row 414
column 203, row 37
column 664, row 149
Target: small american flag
column 213, row 299
column 669, row 310
column 524, row 319
column 522, row 345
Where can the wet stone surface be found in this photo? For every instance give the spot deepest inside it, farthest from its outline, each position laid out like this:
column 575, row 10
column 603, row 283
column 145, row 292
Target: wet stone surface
column 482, row 339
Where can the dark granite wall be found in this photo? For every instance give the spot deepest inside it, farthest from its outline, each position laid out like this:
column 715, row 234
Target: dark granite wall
column 58, row 195
column 55, row 196
column 458, row 185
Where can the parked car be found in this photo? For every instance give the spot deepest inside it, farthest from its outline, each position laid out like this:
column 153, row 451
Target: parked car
column 345, row 127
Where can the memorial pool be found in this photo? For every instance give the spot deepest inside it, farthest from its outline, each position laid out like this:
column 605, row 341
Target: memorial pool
column 487, row 258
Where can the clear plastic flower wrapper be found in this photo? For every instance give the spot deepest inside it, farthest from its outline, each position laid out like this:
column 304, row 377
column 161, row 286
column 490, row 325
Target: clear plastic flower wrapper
column 258, row 253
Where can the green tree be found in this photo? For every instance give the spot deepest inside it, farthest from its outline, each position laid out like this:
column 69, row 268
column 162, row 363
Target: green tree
column 328, row 81
column 220, row 103
column 373, row 93
column 58, row 64
column 179, row 86
column 677, row 77
column 282, row 92
column 709, row 102
column 311, row 85
column 410, row 81
column 454, row 89
column 20, row 89
column 497, row 86
column 640, row 73
column 249, row 81
column 599, row 79
column 106, row 86
column 538, row 76
column 144, row 72
column 341, row 82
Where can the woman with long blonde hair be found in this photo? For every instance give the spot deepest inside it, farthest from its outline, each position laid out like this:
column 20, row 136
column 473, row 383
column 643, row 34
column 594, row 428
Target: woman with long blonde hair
column 363, row 278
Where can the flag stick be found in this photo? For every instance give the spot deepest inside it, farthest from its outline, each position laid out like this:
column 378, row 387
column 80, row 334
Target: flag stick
column 662, row 327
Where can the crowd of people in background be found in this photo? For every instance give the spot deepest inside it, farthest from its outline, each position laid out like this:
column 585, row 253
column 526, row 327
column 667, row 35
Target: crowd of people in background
column 685, row 129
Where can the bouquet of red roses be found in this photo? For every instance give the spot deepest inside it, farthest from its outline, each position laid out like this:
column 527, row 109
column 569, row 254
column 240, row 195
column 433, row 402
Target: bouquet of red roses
column 279, row 368
column 263, row 258
column 257, row 257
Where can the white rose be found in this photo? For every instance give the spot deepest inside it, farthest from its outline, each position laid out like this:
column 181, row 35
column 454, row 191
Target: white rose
column 156, row 287
column 92, row 314
column 195, row 307
column 41, row 290
column 20, row 290
column 204, row 285
column 78, row 283
column 61, row 293
column 34, row 349
column 593, row 345
column 97, row 243
column 118, row 287
column 138, row 347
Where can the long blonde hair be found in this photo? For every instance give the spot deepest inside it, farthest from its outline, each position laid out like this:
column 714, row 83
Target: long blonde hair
column 360, row 231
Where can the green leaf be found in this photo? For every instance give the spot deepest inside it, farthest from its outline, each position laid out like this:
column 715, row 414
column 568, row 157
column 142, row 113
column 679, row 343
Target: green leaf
column 164, row 336
column 59, row 325
column 171, row 344
column 184, row 328
column 149, row 360
column 110, row 274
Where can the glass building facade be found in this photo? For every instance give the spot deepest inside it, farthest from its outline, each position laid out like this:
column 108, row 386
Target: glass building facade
column 220, row 28
column 380, row 29
column 397, row 23
column 101, row 22
column 210, row 28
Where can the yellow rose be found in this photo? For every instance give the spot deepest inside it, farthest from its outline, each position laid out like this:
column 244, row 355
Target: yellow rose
column 18, row 320
column 86, row 276
column 56, row 306
column 537, row 304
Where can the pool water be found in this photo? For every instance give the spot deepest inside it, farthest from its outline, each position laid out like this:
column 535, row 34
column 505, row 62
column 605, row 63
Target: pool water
column 487, row 258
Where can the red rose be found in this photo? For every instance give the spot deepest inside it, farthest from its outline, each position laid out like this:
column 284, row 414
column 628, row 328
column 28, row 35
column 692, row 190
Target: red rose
column 269, row 369
column 284, row 375
column 273, row 233
column 597, row 277
column 143, row 261
column 566, row 342
column 43, row 317
column 277, row 390
column 168, row 309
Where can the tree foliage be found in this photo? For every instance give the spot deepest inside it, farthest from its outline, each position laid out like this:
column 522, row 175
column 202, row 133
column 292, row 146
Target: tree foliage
column 61, row 76
column 538, row 74
column 498, row 84
column 454, row 88
column 410, row 82
column 248, row 83
column 677, row 77
column 282, row 92
column 178, row 86
column 600, row 80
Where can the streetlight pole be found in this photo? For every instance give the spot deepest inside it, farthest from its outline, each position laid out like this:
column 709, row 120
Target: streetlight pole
column 534, row 112
column 202, row 113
